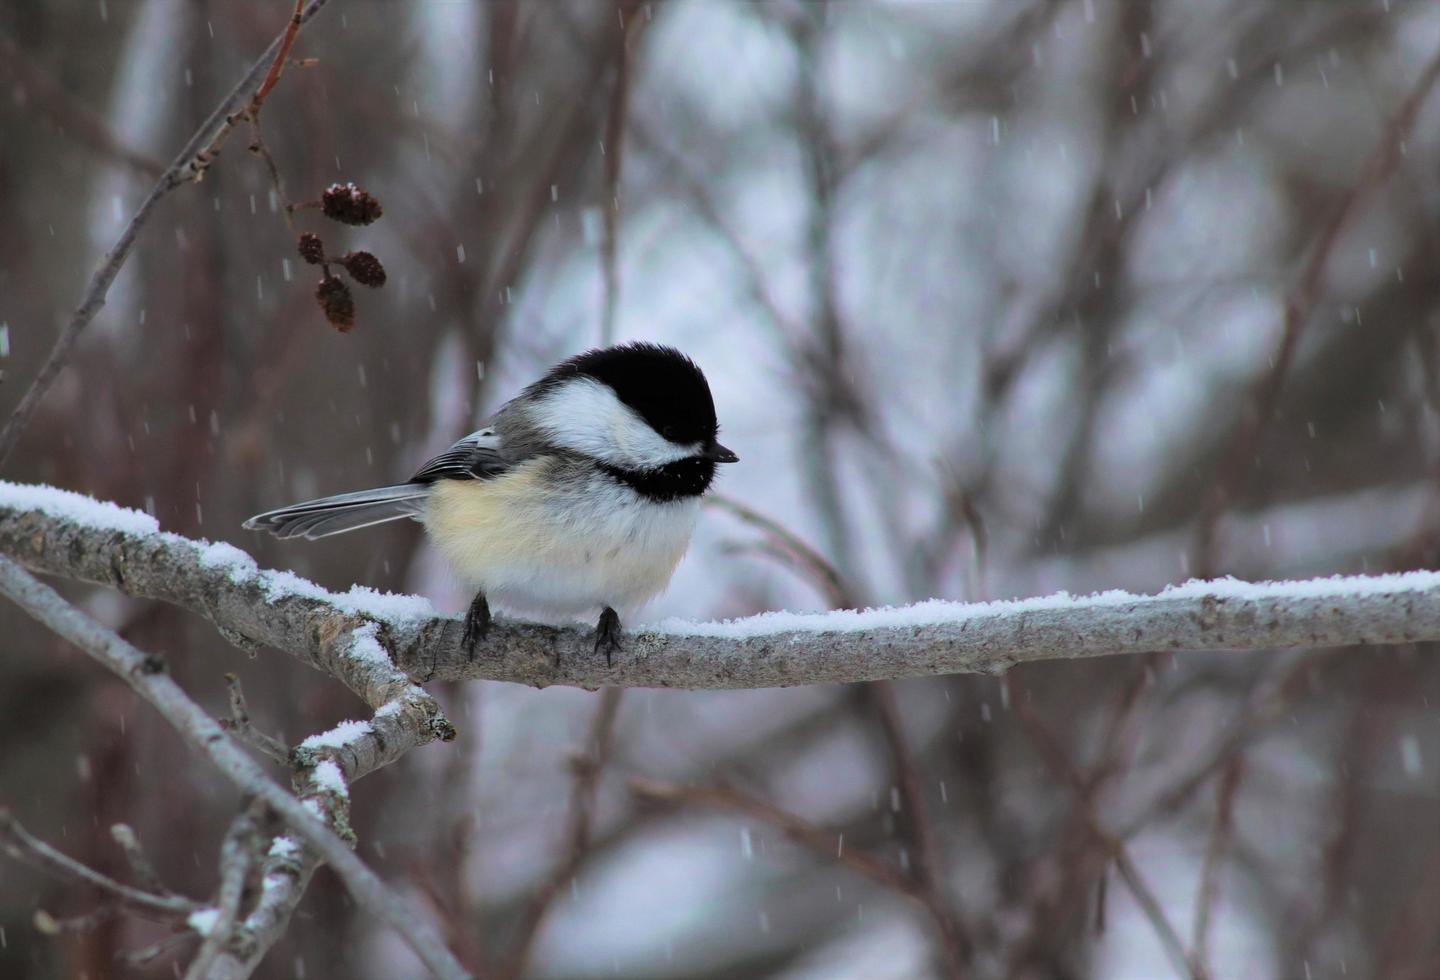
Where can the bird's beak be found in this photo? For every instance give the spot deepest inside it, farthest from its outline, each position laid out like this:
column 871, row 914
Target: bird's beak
column 719, row 454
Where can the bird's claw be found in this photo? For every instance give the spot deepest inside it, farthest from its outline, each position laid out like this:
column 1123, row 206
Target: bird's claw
column 477, row 625
column 607, row 635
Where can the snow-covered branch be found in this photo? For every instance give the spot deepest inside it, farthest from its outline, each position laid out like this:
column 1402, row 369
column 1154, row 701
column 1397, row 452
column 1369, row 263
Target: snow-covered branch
column 376, row 642
column 311, row 823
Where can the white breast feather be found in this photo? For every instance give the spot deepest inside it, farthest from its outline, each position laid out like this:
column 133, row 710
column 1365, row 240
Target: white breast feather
column 559, row 553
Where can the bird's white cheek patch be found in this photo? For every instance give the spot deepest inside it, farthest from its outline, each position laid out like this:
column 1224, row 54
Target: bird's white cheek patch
column 584, row 415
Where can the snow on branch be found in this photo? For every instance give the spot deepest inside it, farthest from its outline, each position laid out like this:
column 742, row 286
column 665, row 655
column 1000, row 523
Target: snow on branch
column 377, row 642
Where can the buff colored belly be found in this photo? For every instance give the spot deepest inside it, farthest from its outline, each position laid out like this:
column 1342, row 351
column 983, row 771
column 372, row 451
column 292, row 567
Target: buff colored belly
column 542, row 552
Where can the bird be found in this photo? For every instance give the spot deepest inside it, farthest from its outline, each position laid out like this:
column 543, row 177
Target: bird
column 580, row 493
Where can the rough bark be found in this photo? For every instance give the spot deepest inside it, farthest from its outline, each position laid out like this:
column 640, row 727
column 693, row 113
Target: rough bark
column 251, row 608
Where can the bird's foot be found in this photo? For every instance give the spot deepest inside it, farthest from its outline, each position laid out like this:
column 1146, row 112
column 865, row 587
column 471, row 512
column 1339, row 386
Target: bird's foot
column 607, row 634
column 477, row 624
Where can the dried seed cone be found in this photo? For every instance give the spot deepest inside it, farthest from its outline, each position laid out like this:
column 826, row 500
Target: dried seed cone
column 311, row 248
column 334, row 298
column 350, row 205
column 364, row 268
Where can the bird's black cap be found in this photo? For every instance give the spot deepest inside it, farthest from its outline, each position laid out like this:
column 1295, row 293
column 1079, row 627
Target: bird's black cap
column 666, row 388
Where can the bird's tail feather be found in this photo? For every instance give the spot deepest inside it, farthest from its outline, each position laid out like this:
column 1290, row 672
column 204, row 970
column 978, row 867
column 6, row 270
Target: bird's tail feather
column 342, row 512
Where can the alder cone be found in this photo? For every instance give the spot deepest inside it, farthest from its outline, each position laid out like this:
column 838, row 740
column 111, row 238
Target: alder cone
column 334, row 298
column 311, row 248
column 364, row 268
column 350, row 205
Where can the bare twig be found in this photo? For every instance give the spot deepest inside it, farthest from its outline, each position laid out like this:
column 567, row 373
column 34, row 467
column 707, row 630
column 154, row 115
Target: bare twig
column 72, row 116
column 826, row 844
column 146, row 955
column 286, row 871
column 237, row 857
column 259, row 147
column 287, row 41
column 814, row 565
column 23, row 846
column 1220, row 833
column 239, row 725
column 135, row 855
column 1060, row 763
column 189, row 164
column 1299, row 304
column 587, row 767
column 929, row 861
column 711, row 212
column 48, row 925
column 145, row 674
column 632, row 25
column 1266, row 704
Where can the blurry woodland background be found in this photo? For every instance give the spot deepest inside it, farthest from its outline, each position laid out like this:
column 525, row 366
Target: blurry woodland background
column 996, row 298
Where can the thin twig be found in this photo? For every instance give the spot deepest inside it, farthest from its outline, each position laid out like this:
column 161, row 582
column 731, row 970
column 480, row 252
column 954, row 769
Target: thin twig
column 188, row 165
column 47, row 924
column 1266, row 704
column 631, row 26
column 287, row 40
column 240, row 726
column 286, row 872
column 816, row 566
column 139, row 861
column 23, row 846
column 237, row 858
column 828, row 845
column 1299, row 304
column 1220, row 833
column 1061, row 765
column 259, row 147
column 71, row 116
column 146, row 955
column 929, row 860
column 584, row 783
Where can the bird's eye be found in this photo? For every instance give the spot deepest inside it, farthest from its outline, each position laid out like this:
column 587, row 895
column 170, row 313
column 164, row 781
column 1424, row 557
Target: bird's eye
column 668, row 432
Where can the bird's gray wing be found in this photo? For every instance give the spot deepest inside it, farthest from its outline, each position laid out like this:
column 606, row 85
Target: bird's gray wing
column 479, row 456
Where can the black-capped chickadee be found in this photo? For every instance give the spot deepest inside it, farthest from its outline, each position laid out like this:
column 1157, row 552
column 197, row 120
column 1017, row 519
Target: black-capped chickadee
column 579, row 494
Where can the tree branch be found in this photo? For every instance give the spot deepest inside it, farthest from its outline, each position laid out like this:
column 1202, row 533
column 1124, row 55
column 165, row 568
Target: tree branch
column 40, row 528
column 23, row 846
column 189, row 165
column 145, row 675
column 1265, row 389
column 72, row 117
column 237, row 855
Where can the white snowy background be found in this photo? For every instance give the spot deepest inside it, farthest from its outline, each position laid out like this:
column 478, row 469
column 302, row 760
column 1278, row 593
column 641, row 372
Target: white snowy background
column 982, row 288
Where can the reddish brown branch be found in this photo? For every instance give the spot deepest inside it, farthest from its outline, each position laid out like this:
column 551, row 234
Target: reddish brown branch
column 287, row 41
column 929, row 860
column 1060, row 763
column 825, row 844
column 69, row 114
column 632, row 24
column 23, row 846
column 1220, row 834
column 190, row 164
column 1265, row 391
column 790, row 546
column 588, row 765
